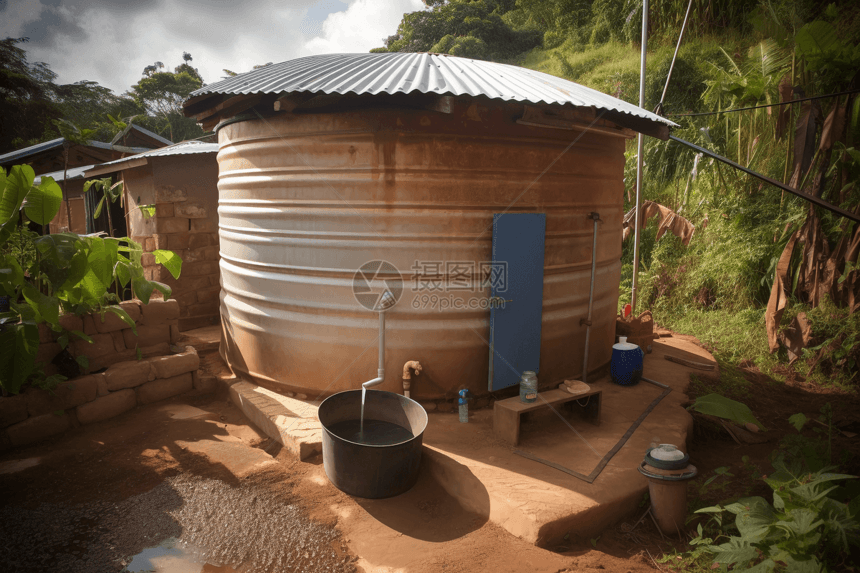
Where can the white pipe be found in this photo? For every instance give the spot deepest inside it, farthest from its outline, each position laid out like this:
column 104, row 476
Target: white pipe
column 639, row 157
column 380, row 373
column 596, row 217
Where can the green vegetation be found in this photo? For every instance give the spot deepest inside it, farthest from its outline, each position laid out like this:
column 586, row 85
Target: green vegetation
column 805, row 529
column 161, row 94
column 811, row 524
column 44, row 277
column 722, row 407
column 467, row 29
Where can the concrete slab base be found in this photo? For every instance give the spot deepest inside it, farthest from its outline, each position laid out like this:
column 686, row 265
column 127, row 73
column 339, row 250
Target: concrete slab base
column 541, row 504
column 532, row 501
column 289, row 421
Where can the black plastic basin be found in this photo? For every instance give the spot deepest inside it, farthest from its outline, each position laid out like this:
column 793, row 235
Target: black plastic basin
column 378, row 468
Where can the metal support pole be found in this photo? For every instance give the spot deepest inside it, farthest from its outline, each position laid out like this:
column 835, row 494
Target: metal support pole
column 639, row 158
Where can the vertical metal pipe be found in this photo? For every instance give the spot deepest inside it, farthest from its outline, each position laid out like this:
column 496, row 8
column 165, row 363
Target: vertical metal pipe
column 596, row 217
column 639, row 158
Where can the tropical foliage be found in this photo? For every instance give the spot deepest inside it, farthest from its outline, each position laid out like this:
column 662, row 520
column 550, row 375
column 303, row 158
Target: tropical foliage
column 471, row 29
column 45, row 276
column 161, row 94
column 812, row 524
column 806, row 528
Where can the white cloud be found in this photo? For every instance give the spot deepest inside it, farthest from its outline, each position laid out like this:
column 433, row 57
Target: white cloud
column 111, row 41
column 361, row 27
column 17, row 15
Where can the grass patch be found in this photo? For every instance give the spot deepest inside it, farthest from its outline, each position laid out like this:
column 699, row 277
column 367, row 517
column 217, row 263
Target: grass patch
column 730, row 335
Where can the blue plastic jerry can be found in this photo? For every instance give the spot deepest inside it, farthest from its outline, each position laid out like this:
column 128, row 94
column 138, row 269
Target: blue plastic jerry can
column 627, row 361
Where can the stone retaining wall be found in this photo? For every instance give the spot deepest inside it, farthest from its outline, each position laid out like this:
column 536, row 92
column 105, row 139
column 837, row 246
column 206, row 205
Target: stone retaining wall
column 38, row 414
column 156, row 373
column 114, row 341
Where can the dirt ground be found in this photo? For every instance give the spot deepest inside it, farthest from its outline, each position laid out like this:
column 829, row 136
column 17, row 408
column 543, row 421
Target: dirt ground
column 187, row 468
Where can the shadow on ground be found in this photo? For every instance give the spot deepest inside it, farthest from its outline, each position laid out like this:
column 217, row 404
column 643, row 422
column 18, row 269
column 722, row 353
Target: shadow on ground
column 428, row 512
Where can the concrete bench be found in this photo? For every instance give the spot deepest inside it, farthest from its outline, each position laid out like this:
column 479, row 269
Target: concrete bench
column 507, row 414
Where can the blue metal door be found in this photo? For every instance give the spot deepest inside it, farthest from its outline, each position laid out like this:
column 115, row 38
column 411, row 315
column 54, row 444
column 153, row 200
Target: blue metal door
column 517, row 290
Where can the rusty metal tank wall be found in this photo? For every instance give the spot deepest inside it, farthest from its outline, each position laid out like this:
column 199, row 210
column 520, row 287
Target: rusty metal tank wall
column 307, row 199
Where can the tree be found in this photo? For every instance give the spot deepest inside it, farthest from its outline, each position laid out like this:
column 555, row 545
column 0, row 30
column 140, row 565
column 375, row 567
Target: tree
column 475, row 27
column 152, row 68
column 88, row 103
column 557, row 19
column 162, row 94
column 27, row 95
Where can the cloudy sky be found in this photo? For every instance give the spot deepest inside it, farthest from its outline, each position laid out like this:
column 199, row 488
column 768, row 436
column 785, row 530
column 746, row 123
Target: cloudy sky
column 111, row 41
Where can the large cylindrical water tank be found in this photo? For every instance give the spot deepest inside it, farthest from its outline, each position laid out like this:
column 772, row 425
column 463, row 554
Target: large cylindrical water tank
column 306, row 199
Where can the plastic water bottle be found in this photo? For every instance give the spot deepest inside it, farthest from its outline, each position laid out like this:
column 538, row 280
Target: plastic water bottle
column 464, row 406
column 528, row 387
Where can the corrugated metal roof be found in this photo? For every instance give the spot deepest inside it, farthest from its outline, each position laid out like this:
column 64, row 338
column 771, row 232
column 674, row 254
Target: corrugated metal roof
column 72, row 173
column 183, row 148
column 54, row 143
column 393, row 73
column 143, row 130
column 32, row 150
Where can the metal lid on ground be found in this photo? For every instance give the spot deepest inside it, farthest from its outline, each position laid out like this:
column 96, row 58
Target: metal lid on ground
column 405, row 73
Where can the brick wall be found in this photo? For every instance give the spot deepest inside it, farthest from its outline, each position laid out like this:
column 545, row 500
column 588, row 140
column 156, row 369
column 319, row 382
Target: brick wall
column 117, row 378
column 185, row 193
column 157, row 326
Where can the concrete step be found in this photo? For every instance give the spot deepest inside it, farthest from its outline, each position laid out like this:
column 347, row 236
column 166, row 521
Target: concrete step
column 291, row 422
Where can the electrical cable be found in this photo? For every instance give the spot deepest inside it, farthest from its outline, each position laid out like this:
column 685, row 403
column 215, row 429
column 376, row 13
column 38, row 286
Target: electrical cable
column 800, row 100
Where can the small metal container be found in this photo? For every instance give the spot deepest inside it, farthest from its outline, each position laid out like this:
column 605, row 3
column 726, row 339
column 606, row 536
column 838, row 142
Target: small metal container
column 528, row 387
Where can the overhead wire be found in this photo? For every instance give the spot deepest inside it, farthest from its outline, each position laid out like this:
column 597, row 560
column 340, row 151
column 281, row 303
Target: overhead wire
column 799, row 100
